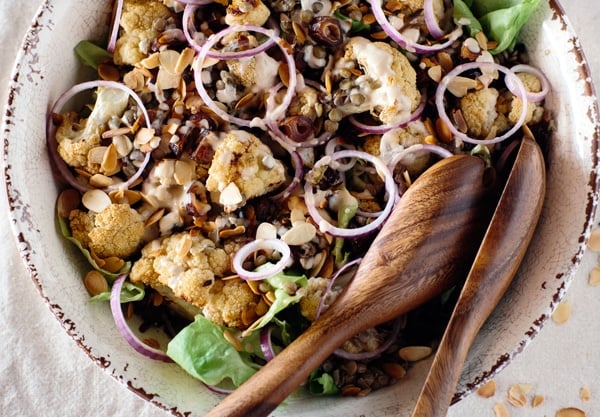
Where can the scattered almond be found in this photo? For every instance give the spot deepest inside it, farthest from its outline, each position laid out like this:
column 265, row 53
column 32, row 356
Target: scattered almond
column 562, row 313
column 500, row 410
column 594, row 278
column 517, row 397
column 594, row 240
column 95, row 283
column 537, row 400
column 585, row 394
column 487, row 390
column 570, row 412
column 95, row 200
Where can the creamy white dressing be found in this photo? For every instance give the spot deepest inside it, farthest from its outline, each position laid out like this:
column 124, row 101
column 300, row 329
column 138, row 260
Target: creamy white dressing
column 325, row 9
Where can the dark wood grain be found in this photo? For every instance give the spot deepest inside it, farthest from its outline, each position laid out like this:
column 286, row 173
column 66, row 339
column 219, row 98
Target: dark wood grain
column 495, row 265
column 426, row 246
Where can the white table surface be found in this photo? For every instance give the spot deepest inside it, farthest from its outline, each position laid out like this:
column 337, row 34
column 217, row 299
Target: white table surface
column 43, row 372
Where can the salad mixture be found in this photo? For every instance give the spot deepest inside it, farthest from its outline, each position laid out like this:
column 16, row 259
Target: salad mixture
column 234, row 159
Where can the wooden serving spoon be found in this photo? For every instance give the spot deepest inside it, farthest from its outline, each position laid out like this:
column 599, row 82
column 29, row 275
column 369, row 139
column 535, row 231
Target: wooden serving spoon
column 424, row 248
column 496, row 263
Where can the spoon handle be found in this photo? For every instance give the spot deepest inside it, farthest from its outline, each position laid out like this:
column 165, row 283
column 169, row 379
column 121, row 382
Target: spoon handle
column 496, row 263
column 417, row 255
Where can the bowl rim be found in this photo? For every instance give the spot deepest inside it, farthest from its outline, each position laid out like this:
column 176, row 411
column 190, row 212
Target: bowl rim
column 28, row 46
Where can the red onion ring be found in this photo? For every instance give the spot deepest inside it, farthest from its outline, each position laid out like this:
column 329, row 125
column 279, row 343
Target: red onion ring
column 431, row 20
column 418, row 148
column 298, row 173
column 528, row 69
column 443, row 86
column 195, row 2
column 52, row 143
column 130, row 337
column 276, row 112
column 381, row 129
column 398, row 324
column 384, row 174
column 114, row 33
column 254, row 246
column 218, row 390
column 332, row 281
column 403, row 41
column 266, row 346
column 330, row 148
column 187, row 24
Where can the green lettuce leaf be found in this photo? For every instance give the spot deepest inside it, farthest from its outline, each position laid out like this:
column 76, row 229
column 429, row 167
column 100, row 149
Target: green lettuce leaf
column 500, row 20
column 129, row 292
column 91, row 54
column 202, row 351
column 321, row 383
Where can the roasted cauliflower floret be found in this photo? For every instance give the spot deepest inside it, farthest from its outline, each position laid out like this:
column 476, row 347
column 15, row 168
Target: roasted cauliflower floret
column 306, row 103
column 389, row 85
column 190, row 267
column 257, row 73
column 315, row 290
column 118, row 230
column 142, row 21
column 478, row 108
column 535, row 112
column 247, row 12
column 397, row 140
column 76, row 137
column 242, row 168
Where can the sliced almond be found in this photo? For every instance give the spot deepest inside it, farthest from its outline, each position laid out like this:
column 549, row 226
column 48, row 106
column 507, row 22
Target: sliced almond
column 537, row 400
column 395, row 370
column 95, row 200
column 96, row 155
column 110, row 161
column 487, row 390
column 231, row 195
column 414, row 353
column 460, row 86
column 113, row 264
column 562, row 313
column 95, row 283
column 585, row 394
column 517, row 397
column 184, row 172
column 299, row 234
column 594, row 278
column 594, row 241
column 266, row 231
column 500, row 410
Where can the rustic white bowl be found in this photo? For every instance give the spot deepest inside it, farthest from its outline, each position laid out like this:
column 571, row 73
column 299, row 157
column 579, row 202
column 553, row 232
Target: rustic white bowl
column 46, row 66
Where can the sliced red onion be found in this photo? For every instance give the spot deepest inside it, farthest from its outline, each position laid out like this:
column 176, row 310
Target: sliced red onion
column 381, row 129
column 114, row 33
column 298, row 173
column 418, row 148
column 331, row 148
column 431, row 20
column 258, row 245
column 218, row 390
column 339, row 272
column 195, row 2
column 508, row 74
column 403, row 41
column 276, row 112
column 189, row 31
column 265, row 343
column 383, row 172
column 528, row 69
column 130, row 337
column 398, row 324
column 52, row 143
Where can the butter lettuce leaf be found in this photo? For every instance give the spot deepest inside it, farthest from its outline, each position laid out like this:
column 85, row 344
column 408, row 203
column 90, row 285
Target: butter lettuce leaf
column 500, row 20
column 202, row 351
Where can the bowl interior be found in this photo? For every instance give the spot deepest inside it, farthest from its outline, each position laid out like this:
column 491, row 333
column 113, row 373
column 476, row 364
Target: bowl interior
column 43, row 71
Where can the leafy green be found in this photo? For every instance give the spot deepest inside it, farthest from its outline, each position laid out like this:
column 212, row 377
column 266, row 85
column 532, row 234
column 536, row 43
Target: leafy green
column 129, row 292
column 66, row 232
column 347, row 208
column 91, row 54
column 279, row 282
column 321, row 383
column 500, row 20
column 356, row 25
column 202, row 351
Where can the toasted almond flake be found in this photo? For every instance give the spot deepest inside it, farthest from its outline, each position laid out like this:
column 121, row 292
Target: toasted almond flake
column 123, row 145
column 570, row 412
column 594, row 241
column 231, row 195
column 562, row 313
column 270, row 297
column 517, row 397
column 248, row 317
column 95, row 283
column 236, row 231
column 110, row 161
column 96, row 154
column 299, row 32
column 500, row 410
column 487, row 390
column 537, row 400
column 460, row 86
column 261, row 308
column 594, row 278
column 297, row 215
column 585, row 394
column 95, row 200
column 185, row 59
column 116, row 132
column 113, row 264
column 143, row 136
column 184, row 172
column 481, row 40
column 414, row 353
column 155, row 217
column 68, row 200
column 254, row 286
column 435, row 73
column 284, row 74
column 299, row 234
column 151, row 62
column 395, row 370
column 186, row 245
